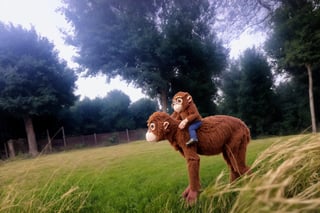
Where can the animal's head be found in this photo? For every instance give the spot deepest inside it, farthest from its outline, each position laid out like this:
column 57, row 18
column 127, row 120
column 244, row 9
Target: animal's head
column 159, row 124
column 181, row 101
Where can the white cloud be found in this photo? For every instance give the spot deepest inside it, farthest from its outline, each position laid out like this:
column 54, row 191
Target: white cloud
column 245, row 40
column 93, row 87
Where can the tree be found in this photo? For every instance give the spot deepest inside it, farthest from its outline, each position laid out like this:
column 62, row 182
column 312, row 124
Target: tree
column 230, row 87
column 111, row 113
column 255, row 93
column 10, row 127
column 116, row 111
column 141, row 110
column 295, row 41
column 191, row 52
column 33, row 80
column 84, row 117
column 157, row 45
column 294, row 115
column 248, row 92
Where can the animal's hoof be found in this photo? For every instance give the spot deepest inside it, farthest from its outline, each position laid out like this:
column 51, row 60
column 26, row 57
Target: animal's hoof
column 186, row 192
column 192, row 197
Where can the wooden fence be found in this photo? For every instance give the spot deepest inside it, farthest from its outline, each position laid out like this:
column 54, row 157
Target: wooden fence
column 104, row 139
column 59, row 141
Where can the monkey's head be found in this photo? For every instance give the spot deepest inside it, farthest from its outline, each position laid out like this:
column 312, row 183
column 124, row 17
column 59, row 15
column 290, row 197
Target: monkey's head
column 181, row 101
column 159, row 125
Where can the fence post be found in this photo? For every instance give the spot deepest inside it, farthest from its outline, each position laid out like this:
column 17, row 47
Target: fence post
column 6, row 150
column 64, row 138
column 95, row 138
column 49, row 141
column 128, row 138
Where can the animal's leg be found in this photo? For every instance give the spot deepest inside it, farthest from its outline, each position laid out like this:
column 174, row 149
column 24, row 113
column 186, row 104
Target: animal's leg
column 232, row 154
column 236, row 149
column 241, row 154
column 232, row 173
column 192, row 191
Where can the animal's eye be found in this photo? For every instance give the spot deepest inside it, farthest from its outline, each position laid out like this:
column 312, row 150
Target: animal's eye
column 152, row 126
column 179, row 100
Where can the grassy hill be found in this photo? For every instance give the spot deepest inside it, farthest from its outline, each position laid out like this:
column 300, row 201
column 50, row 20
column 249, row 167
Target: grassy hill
column 144, row 177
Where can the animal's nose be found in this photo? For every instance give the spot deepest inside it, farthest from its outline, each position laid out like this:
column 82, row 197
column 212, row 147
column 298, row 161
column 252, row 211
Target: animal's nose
column 150, row 137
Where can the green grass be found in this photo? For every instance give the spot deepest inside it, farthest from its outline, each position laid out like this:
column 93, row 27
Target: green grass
column 134, row 177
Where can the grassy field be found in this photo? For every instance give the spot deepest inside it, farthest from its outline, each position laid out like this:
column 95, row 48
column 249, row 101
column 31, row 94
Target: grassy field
column 143, row 177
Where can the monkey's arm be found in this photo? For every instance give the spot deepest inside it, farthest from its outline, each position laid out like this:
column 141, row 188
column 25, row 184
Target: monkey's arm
column 190, row 116
column 193, row 115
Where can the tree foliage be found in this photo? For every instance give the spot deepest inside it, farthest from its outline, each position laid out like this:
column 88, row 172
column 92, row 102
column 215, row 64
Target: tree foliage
column 141, row 110
column 293, row 116
column 115, row 112
column 160, row 46
column 33, row 80
column 248, row 94
column 256, row 104
column 295, row 41
column 230, row 87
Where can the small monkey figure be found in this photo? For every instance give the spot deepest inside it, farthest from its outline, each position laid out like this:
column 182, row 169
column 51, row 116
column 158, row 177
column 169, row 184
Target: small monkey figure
column 186, row 111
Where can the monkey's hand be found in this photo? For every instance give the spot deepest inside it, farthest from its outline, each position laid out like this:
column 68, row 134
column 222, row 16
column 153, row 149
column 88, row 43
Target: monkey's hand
column 183, row 123
column 190, row 196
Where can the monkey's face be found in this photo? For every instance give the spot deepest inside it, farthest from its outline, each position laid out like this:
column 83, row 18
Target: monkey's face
column 157, row 127
column 180, row 101
column 177, row 104
column 151, row 135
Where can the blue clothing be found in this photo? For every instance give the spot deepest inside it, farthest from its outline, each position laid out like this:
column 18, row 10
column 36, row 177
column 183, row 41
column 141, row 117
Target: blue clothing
column 192, row 129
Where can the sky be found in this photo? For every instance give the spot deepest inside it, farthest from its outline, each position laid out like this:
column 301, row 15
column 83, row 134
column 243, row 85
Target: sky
column 48, row 22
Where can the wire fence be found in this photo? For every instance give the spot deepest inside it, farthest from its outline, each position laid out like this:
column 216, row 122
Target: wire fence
column 59, row 142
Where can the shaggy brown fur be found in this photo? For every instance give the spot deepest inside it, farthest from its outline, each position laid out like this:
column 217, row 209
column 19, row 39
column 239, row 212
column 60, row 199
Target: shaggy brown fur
column 217, row 134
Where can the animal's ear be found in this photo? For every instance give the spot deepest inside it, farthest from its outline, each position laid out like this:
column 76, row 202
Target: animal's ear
column 189, row 98
column 165, row 125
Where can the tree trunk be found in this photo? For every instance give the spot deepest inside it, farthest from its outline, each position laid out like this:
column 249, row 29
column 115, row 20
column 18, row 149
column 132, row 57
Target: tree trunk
column 311, row 101
column 12, row 153
column 164, row 101
column 33, row 150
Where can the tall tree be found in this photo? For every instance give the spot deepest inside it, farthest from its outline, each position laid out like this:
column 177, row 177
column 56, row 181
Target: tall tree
column 33, row 80
column 295, row 41
column 294, row 115
column 158, row 45
column 116, row 111
column 230, row 87
column 248, row 91
column 141, row 110
column 84, row 117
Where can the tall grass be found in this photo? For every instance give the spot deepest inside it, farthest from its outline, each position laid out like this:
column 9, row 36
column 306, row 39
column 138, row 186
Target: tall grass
column 143, row 177
column 285, row 178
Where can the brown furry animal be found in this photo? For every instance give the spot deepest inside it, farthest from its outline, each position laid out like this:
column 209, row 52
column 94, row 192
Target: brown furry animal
column 217, row 134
